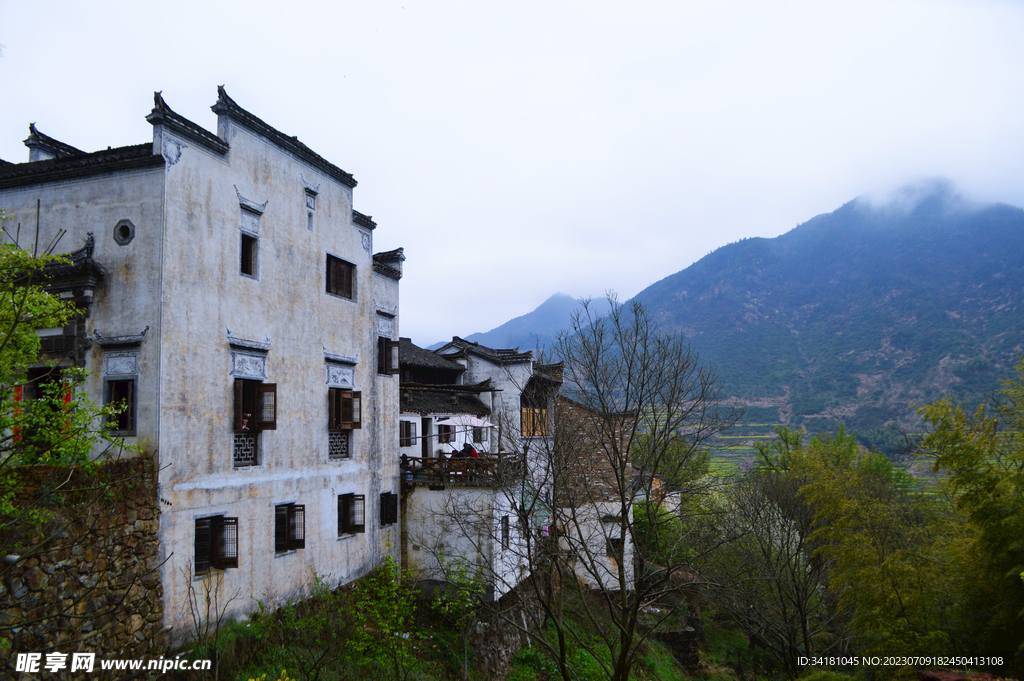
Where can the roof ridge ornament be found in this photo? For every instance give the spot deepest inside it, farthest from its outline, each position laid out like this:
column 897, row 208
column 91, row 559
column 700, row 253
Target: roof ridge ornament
column 223, row 98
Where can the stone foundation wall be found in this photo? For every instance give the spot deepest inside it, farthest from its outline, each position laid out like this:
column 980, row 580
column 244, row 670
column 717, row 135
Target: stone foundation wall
column 498, row 636
column 89, row 580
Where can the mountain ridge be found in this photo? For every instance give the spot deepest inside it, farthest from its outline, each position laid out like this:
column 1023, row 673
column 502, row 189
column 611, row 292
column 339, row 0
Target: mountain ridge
column 853, row 316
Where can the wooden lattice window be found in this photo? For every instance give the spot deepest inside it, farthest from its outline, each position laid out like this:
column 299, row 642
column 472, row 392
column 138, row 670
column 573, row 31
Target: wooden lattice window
column 340, row 277
column 216, row 544
column 351, row 514
column 289, row 527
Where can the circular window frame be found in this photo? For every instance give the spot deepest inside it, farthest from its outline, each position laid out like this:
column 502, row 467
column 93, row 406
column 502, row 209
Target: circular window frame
column 119, row 236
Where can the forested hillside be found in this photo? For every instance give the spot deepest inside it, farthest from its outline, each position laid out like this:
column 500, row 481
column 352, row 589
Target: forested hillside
column 859, row 314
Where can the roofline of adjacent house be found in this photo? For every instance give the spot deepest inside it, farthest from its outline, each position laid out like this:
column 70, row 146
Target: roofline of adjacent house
column 470, row 389
column 496, row 355
column 81, row 165
column 364, row 220
column 54, row 146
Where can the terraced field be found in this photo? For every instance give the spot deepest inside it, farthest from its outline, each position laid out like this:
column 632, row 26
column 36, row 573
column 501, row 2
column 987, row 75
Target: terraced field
column 734, row 453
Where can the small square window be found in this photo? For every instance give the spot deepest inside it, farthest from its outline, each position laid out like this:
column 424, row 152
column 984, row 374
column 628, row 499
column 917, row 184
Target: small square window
column 250, row 254
column 351, row 514
column 614, row 547
column 289, row 527
column 444, row 434
column 340, row 278
column 479, row 435
column 121, row 393
column 215, row 544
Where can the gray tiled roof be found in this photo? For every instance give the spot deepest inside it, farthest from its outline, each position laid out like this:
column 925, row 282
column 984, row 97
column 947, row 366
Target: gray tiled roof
column 54, row 146
column 440, row 400
column 501, row 356
column 107, row 160
column 413, row 355
column 226, row 105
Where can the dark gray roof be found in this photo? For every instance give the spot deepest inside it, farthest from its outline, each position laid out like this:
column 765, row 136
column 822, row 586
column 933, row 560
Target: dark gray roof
column 62, row 168
column 441, row 400
column 55, row 147
column 227, row 106
column 500, row 356
column 364, row 220
column 163, row 115
column 384, row 263
column 413, row 355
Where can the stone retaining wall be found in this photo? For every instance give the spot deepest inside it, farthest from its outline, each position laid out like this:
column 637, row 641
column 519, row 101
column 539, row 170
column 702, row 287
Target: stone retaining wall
column 91, row 583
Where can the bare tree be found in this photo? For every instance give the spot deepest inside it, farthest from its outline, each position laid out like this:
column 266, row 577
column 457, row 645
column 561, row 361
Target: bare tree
column 626, row 410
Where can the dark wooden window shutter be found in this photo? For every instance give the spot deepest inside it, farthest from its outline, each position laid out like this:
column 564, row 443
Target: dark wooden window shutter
column 201, row 549
column 280, row 529
column 333, row 409
column 344, row 513
column 388, row 508
column 239, row 399
column 266, row 406
column 345, row 409
column 351, row 409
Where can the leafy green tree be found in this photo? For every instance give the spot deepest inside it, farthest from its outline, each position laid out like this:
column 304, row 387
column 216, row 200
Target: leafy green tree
column 769, row 579
column 982, row 456
column 889, row 546
column 60, row 428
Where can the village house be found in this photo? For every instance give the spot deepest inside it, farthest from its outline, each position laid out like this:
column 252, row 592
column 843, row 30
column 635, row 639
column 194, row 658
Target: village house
column 497, row 508
column 230, row 297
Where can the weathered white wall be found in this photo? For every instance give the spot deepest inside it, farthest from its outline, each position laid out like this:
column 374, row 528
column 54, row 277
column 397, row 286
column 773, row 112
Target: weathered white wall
column 287, row 304
column 462, row 524
column 584, row 535
column 180, row 275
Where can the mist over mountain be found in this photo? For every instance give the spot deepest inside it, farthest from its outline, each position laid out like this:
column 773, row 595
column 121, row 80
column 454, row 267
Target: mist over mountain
column 853, row 316
column 858, row 314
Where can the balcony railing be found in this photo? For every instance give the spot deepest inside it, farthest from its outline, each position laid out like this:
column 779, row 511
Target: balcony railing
column 487, row 471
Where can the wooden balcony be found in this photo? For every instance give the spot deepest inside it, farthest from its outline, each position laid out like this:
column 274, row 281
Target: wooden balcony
column 487, row 471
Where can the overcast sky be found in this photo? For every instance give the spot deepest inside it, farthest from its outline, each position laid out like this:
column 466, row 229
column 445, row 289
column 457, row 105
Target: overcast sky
column 519, row 149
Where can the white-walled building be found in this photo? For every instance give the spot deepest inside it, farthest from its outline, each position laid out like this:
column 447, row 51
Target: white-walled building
column 229, row 293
